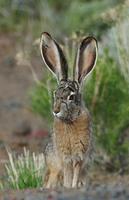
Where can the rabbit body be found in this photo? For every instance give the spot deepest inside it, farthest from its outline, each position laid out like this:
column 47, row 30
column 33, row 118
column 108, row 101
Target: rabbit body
column 67, row 154
column 73, row 142
column 71, row 149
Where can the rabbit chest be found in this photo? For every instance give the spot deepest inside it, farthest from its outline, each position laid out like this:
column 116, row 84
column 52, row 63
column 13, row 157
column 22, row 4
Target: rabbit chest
column 73, row 139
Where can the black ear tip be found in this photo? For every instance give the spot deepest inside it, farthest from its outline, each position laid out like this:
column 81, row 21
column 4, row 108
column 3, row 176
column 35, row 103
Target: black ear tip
column 89, row 39
column 44, row 36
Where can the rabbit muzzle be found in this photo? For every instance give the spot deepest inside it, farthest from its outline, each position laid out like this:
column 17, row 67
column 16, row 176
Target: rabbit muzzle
column 65, row 111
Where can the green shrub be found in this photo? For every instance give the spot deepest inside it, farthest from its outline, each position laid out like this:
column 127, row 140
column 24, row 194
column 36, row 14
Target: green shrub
column 41, row 97
column 25, row 16
column 107, row 97
column 24, row 171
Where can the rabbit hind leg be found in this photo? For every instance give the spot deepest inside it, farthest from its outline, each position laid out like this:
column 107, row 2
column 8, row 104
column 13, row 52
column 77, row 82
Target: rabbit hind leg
column 53, row 178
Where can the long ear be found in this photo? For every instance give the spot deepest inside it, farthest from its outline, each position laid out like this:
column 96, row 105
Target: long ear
column 85, row 59
column 53, row 56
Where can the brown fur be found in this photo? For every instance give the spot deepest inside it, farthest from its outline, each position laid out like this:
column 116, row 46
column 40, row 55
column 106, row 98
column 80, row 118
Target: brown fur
column 72, row 143
column 73, row 138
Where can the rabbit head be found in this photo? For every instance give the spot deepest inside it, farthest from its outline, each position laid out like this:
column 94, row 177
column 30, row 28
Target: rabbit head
column 67, row 97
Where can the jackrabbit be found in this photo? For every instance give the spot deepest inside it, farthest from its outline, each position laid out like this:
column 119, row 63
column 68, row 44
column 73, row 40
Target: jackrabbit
column 69, row 150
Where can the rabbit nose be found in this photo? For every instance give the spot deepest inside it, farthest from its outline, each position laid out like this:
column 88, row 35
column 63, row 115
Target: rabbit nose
column 56, row 110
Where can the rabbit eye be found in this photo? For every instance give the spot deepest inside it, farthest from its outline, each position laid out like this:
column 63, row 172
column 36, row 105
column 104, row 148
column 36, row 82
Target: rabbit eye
column 71, row 97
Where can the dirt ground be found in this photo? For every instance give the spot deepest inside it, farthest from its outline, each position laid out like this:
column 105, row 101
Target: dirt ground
column 15, row 113
column 107, row 187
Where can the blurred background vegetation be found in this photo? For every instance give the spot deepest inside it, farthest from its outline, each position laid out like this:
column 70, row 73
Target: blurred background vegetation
column 106, row 91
